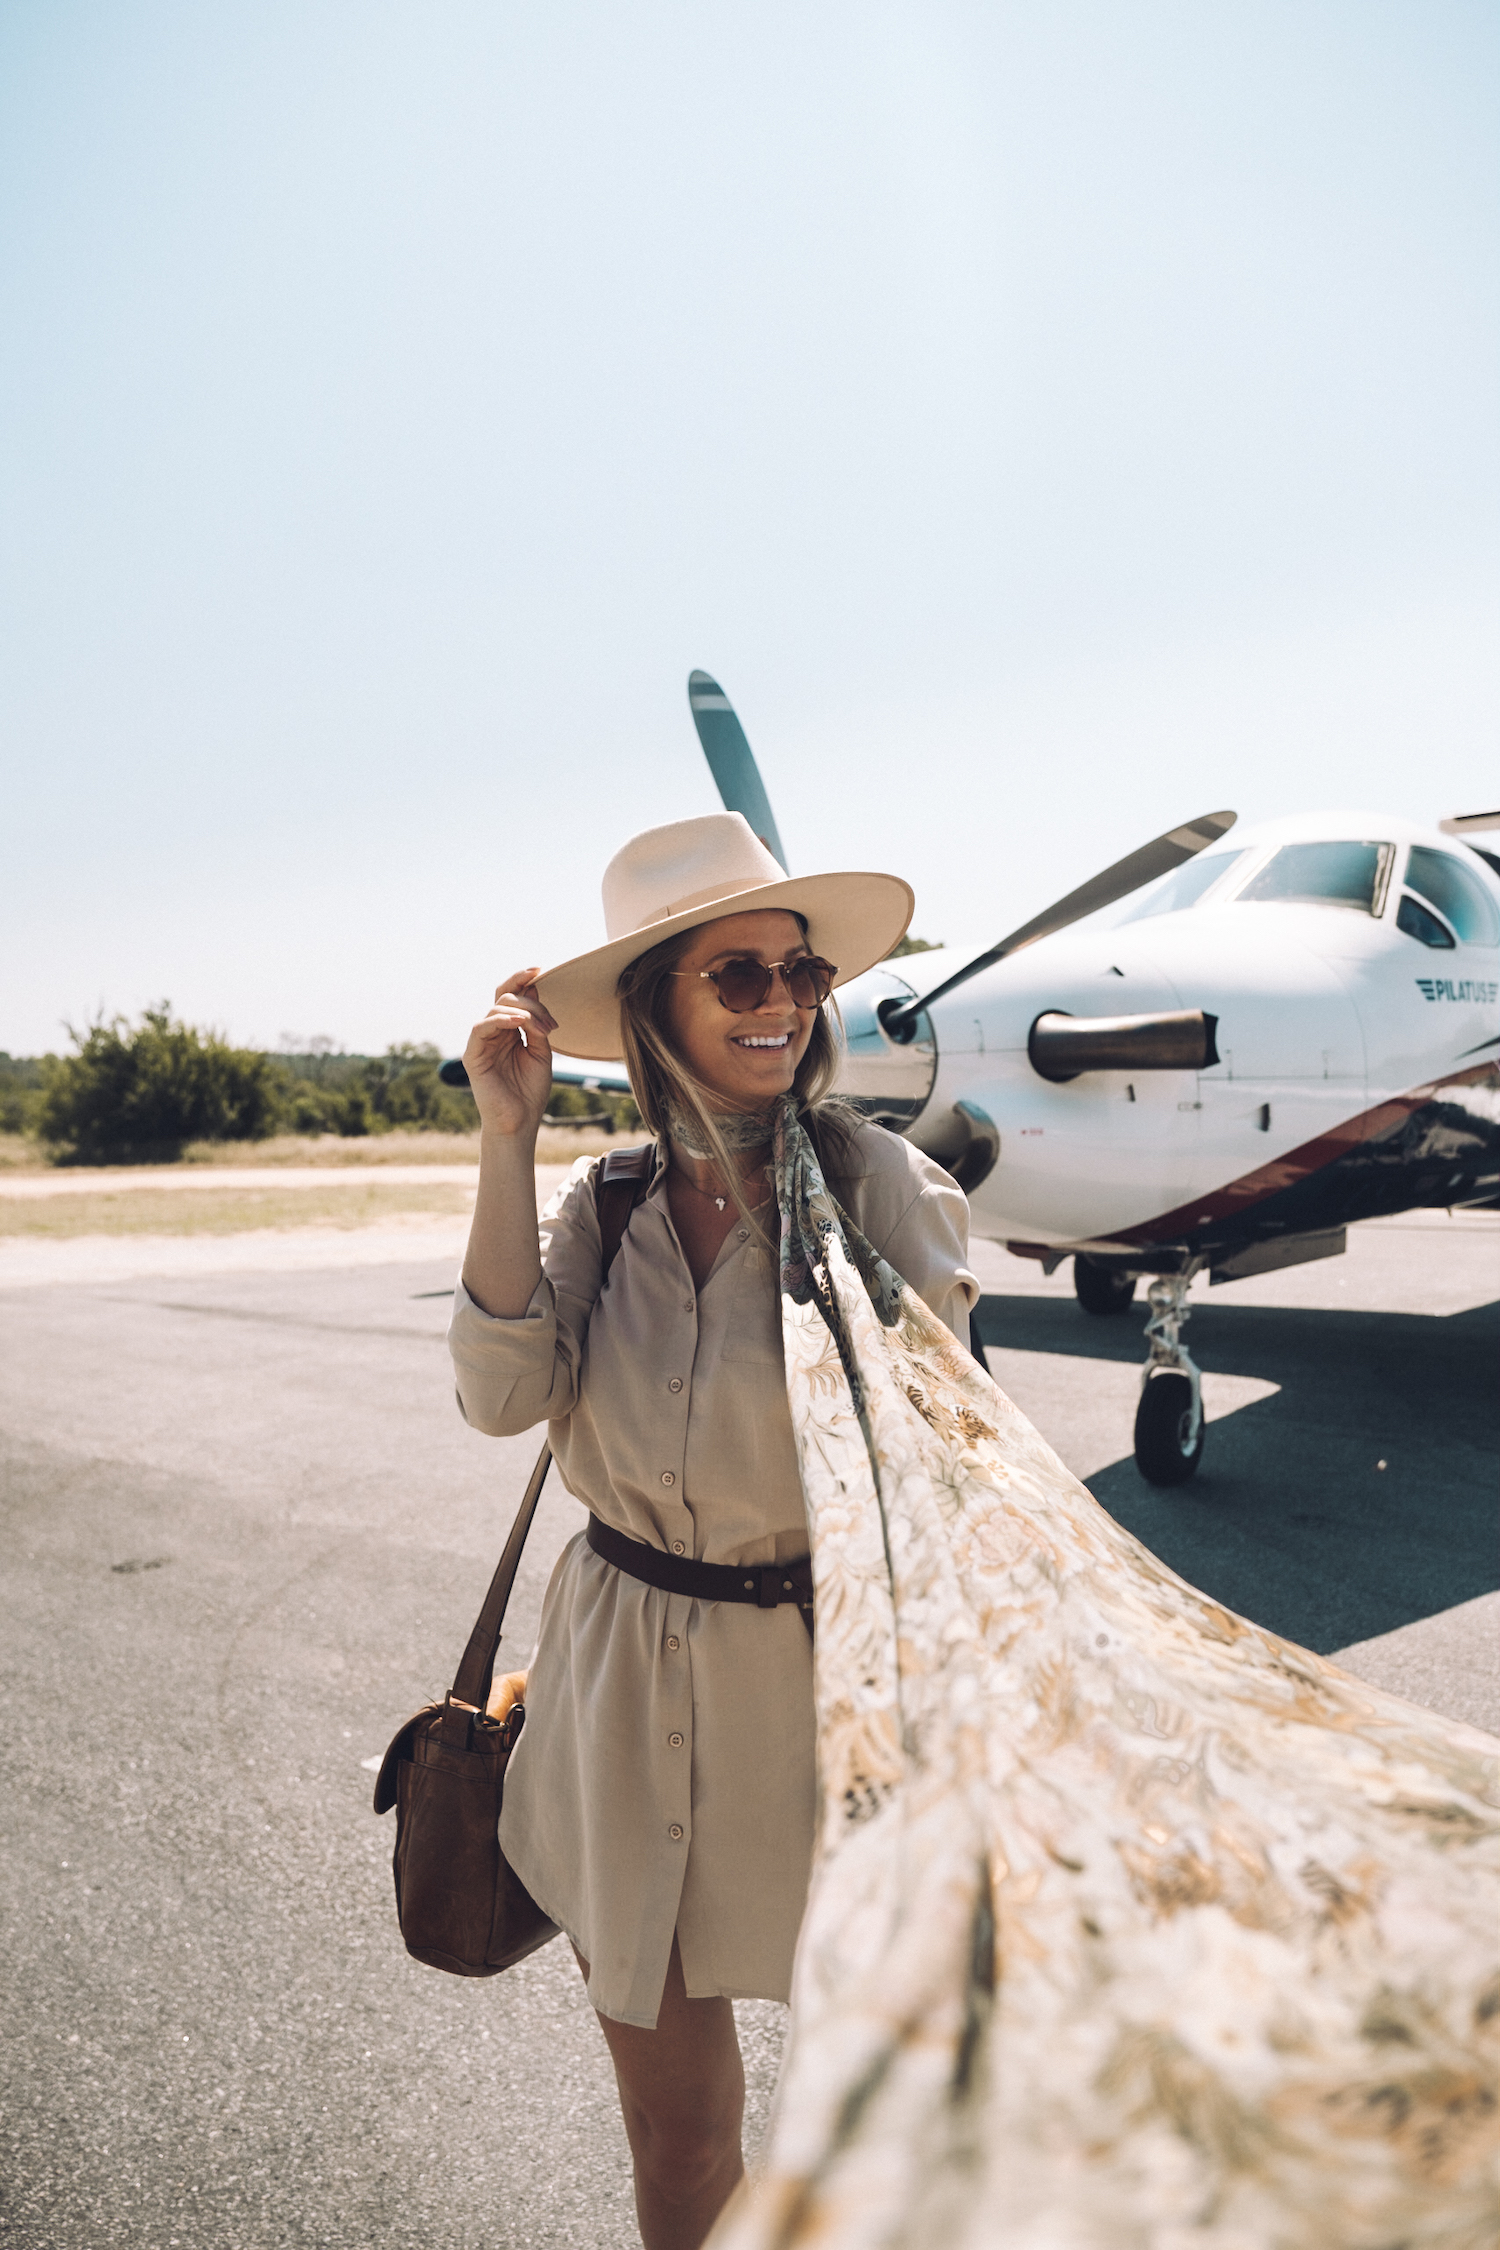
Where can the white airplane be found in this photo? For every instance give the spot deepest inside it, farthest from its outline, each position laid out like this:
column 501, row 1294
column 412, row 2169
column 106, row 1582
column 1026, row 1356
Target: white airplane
column 1215, row 1057
column 1293, row 1032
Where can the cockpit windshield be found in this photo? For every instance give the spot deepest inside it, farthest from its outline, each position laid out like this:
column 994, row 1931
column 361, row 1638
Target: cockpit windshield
column 1184, row 887
column 1323, row 874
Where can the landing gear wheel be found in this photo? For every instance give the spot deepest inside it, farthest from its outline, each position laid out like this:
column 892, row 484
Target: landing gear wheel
column 1167, row 1450
column 1100, row 1291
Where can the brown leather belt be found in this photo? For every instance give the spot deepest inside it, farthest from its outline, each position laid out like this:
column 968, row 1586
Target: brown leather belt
column 763, row 1585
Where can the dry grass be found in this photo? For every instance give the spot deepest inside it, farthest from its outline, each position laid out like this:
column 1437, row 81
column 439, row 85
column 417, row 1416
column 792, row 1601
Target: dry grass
column 238, row 1210
column 329, row 1151
column 555, row 1145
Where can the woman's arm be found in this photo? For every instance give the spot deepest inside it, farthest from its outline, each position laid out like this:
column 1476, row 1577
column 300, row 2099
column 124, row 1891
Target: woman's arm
column 509, row 1062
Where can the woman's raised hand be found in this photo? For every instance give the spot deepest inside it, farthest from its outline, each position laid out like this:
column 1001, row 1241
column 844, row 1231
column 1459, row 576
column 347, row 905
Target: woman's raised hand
column 511, row 1074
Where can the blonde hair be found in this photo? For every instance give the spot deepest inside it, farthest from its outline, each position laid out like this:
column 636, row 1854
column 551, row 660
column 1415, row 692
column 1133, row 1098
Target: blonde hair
column 661, row 1081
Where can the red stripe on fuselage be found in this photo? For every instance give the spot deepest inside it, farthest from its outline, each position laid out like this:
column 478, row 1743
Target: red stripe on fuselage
column 1296, row 1164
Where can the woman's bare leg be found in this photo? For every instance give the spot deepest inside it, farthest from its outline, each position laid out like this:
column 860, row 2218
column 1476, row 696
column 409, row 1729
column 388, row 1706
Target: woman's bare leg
column 682, row 2092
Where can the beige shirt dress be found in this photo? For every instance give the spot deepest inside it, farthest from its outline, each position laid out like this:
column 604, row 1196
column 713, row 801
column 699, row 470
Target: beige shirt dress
column 665, row 1779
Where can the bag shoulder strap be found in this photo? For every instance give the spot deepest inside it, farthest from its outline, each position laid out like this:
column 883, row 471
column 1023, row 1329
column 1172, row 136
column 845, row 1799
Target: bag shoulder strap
column 619, row 1182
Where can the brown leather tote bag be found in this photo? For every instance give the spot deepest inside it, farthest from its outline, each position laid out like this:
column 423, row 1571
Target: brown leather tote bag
column 460, row 1905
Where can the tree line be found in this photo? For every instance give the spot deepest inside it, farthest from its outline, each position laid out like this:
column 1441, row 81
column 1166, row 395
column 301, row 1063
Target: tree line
column 138, row 1093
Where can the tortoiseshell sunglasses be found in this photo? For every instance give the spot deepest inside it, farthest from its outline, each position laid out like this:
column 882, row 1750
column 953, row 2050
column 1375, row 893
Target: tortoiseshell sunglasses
column 743, row 984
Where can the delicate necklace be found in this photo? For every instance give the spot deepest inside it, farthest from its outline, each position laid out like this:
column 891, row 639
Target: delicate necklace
column 718, row 1201
column 740, row 1130
column 718, row 1197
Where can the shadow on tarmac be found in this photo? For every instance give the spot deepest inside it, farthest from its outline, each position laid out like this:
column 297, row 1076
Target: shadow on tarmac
column 1289, row 1521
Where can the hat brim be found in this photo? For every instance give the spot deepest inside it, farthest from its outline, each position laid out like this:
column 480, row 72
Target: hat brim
column 853, row 919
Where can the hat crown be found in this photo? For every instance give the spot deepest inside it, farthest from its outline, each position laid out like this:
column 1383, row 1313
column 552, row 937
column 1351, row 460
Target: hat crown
column 666, row 871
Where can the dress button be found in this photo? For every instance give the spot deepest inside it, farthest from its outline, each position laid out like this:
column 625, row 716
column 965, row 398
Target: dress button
column 675, row 1384
column 675, row 1833
column 667, row 1477
column 674, row 1741
column 673, row 1641
column 744, row 1234
column 677, row 1547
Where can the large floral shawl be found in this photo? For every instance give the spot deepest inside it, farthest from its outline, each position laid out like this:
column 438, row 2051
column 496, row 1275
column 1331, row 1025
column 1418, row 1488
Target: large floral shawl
column 1130, row 1924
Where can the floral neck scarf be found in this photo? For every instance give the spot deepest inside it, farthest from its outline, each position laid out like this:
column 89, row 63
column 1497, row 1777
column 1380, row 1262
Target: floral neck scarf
column 739, row 1130
column 1131, row 1926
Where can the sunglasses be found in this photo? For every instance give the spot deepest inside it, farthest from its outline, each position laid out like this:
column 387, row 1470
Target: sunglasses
column 744, row 985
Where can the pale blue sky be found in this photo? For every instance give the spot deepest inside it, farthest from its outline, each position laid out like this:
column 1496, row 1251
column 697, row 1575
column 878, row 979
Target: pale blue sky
column 1048, row 418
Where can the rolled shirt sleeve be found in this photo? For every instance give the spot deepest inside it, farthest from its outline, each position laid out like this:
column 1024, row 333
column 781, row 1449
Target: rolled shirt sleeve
column 511, row 1374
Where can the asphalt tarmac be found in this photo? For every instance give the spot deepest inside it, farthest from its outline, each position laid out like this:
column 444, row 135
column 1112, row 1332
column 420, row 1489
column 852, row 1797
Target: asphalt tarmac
column 246, row 1536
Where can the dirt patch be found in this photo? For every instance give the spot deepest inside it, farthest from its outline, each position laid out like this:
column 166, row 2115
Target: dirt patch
column 20, row 1155
column 59, row 1239
column 236, row 1210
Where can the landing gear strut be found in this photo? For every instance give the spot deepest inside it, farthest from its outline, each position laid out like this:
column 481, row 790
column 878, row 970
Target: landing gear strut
column 1169, row 1419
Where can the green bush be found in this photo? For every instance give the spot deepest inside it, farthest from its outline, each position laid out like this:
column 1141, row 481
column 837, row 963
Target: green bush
column 573, row 1101
column 612, row 1113
column 404, row 1091
column 138, row 1094
column 346, row 1110
column 20, row 1093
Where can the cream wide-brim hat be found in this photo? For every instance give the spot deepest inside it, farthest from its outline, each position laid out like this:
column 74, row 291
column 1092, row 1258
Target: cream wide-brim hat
column 695, row 871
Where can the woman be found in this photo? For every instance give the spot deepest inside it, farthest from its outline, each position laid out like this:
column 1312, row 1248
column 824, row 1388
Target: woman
column 660, row 1802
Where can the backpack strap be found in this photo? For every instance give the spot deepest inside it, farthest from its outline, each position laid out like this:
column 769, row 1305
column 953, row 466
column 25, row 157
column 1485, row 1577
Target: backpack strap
column 619, row 1182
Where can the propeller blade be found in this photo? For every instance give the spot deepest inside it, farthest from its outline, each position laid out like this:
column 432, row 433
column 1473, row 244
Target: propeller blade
column 1156, row 858
column 731, row 760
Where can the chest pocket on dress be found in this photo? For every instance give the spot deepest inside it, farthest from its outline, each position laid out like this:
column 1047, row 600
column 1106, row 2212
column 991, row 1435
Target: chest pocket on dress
column 754, row 1328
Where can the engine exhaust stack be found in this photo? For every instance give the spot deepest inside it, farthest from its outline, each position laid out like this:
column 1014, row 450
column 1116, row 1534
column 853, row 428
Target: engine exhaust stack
column 1061, row 1047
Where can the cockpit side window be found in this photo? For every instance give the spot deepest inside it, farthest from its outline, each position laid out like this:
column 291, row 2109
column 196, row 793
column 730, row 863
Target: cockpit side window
column 1457, row 893
column 1323, row 874
column 1416, row 920
column 1184, row 887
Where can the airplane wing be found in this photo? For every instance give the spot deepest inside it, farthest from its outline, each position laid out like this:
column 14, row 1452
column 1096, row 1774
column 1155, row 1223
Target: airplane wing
column 567, row 1070
column 595, row 1078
